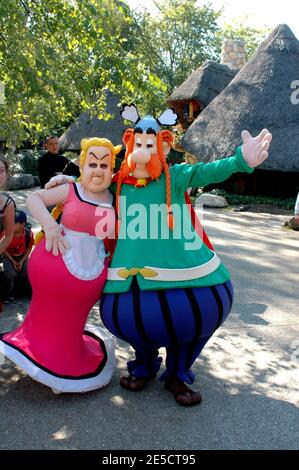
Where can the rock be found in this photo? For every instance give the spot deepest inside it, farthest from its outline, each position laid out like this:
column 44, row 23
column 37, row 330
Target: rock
column 36, row 181
column 211, row 200
column 242, row 208
column 21, row 181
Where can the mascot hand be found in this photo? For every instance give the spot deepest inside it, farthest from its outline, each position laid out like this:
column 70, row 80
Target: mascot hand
column 255, row 149
column 59, row 179
column 55, row 241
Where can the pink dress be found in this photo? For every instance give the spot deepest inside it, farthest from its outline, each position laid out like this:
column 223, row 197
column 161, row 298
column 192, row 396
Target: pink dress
column 53, row 344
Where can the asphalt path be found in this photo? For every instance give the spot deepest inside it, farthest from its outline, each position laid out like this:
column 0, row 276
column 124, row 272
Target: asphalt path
column 247, row 373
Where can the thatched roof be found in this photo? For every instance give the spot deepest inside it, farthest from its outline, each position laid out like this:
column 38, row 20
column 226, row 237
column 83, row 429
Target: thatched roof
column 204, row 84
column 90, row 126
column 259, row 96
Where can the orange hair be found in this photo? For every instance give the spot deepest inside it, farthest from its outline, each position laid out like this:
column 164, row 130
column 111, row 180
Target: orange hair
column 155, row 167
column 166, row 136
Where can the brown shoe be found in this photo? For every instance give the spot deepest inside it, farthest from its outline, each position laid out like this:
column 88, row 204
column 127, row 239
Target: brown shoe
column 184, row 395
column 135, row 384
column 292, row 224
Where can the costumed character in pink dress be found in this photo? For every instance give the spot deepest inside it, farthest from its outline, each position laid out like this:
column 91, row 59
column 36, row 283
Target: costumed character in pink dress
column 67, row 271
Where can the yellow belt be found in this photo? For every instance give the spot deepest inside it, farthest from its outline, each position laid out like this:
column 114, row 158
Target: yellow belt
column 164, row 274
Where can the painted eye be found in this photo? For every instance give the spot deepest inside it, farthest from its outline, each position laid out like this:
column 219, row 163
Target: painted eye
column 138, row 145
column 92, row 165
column 103, row 166
column 149, row 146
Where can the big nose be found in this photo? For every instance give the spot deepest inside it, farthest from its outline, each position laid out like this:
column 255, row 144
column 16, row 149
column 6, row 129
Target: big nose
column 141, row 155
column 98, row 171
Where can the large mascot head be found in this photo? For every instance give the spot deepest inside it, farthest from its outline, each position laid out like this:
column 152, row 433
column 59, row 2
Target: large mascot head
column 146, row 149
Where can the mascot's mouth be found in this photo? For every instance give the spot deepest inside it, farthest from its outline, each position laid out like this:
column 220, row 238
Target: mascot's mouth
column 98, row 179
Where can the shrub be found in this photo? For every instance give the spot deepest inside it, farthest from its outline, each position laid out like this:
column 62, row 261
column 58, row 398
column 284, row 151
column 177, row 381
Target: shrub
column 25, row 161
column 235, row 199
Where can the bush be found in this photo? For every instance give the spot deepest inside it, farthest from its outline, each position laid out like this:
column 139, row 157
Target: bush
column 24, row 161
column 235, row 199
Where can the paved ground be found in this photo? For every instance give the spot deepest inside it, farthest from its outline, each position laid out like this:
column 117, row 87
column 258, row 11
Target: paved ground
column 248, row 372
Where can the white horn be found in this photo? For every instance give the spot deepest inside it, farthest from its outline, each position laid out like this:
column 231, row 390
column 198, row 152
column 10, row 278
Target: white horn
column 168, row 118
column 130, row 113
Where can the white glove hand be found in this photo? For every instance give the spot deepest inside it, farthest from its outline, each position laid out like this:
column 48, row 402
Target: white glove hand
column 55, row 241
column 59, row 179
column 255, row 149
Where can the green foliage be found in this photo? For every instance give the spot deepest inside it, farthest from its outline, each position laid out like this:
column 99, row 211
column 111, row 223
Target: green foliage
column 178, row 39
column 24, row 162
column 236, row 199
column 253, row 37
column 57, row 57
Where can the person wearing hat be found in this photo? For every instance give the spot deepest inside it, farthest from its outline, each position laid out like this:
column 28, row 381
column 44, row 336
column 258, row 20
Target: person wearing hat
column 16, row 256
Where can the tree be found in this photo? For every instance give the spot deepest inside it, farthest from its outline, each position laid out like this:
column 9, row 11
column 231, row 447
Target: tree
column 178, row 39
column 182, row 35
column 58, row 56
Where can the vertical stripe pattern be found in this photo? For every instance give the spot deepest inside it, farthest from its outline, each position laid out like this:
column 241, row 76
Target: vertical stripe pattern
column 182, row 320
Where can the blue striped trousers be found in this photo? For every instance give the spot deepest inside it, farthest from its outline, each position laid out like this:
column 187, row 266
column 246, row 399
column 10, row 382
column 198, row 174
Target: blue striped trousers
column 181, row 320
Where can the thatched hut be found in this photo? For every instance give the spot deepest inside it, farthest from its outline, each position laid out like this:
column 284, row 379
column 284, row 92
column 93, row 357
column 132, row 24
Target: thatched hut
column 91, row 126
column 261, row 95
column 199, row 89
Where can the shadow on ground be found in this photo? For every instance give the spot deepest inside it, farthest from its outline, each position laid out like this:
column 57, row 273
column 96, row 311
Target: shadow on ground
column 248, row 372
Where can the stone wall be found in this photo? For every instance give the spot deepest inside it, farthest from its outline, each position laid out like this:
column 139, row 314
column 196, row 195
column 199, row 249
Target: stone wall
column 233, row 53
column 21, row 181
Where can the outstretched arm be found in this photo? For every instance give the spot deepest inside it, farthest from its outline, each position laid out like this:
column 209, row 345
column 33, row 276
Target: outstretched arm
column 252, row 153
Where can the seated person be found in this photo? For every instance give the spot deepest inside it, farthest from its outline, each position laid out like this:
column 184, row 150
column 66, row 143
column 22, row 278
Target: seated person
column 7, row 216
column 15, row 259
column 7, row 209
